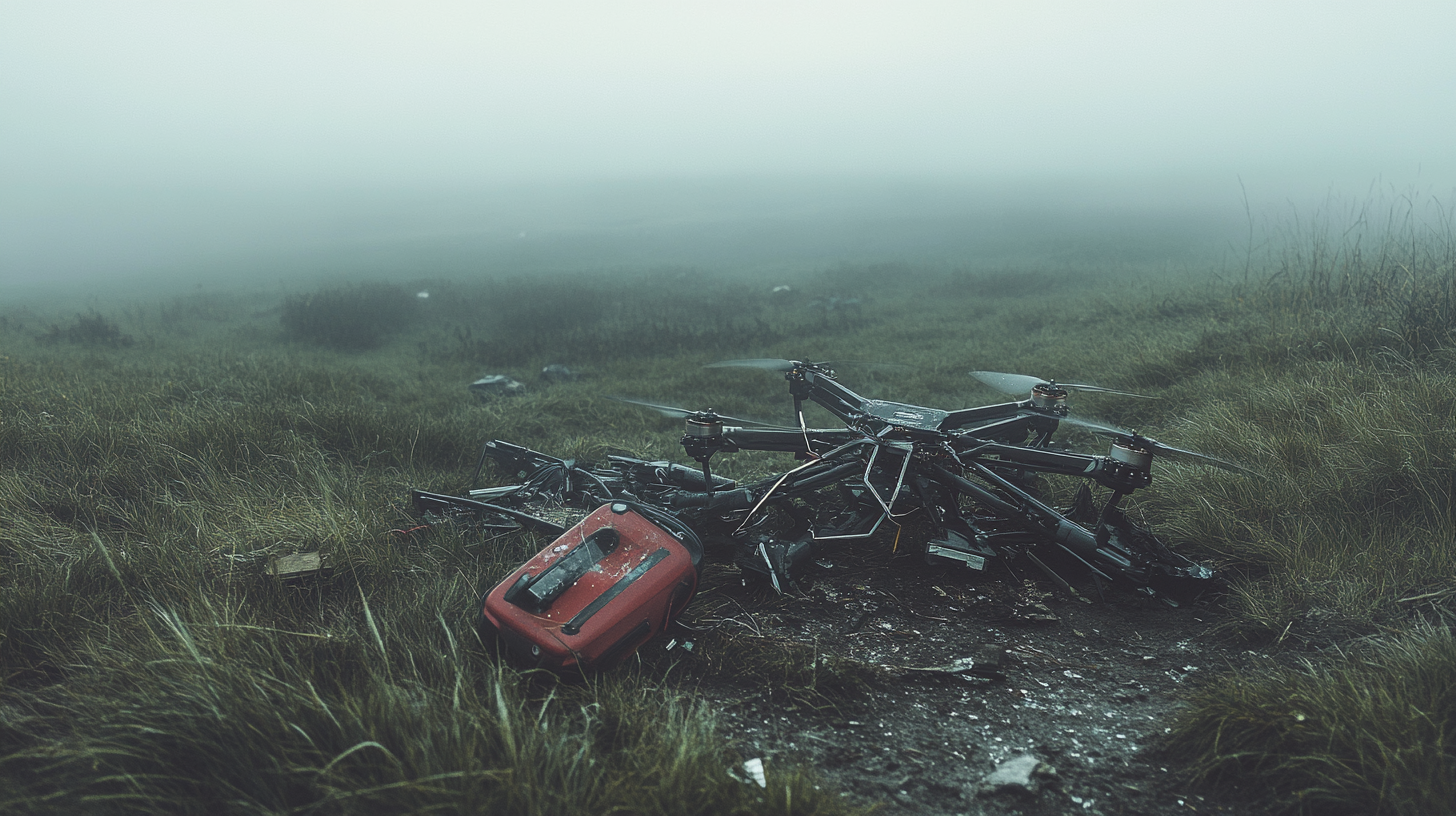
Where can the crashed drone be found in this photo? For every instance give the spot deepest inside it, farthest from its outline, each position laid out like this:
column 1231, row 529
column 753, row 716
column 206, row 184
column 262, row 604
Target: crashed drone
column 968, row 477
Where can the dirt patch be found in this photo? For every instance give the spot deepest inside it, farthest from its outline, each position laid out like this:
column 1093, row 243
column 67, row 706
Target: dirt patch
column 1083, row 685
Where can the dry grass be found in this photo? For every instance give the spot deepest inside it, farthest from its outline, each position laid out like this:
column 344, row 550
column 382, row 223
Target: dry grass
column 142, row 649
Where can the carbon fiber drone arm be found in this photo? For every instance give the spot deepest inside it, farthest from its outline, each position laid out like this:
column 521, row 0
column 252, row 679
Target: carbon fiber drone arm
column 1104, row 470
column 984, row 414
column 820, row 387
column 1007, row 421
column 787, row 440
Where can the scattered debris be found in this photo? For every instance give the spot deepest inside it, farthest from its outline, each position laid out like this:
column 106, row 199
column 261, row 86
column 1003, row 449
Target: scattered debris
column 556, row 373
column 846, row 309
column 1032, row 612
column 959, row 666
column 496, row 385
column 777, row 560
column 985, row 663
column 1029, row 605
column 298, row 565
column 856, row 622
column 1024, row 773
column 754, row 769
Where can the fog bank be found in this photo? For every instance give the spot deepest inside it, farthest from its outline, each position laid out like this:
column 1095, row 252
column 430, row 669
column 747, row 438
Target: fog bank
column 150, row 137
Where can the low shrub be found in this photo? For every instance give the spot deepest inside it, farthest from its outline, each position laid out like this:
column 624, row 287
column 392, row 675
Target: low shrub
column 351, row 318
column 90, row 329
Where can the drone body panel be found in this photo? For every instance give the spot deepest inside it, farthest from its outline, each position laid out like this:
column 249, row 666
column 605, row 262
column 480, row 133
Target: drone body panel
column 904, row 415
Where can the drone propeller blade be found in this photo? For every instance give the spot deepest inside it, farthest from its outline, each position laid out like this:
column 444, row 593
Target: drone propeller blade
column 1100, row 389
column 822, row 366
column 766, row 363
column 1202, row 458
column 867, row 365
column 666, row 410
column 1098, row 427
column 1008, row 383
column 1022, row 383
column 673, row 412
column 1125, row 436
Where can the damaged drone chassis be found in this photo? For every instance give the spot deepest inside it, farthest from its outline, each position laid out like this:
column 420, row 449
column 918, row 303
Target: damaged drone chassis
column 971, row 476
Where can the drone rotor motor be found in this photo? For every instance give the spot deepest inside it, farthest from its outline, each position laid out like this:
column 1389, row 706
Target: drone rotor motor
column 1048, row 395
column 706, row 426
column 1131, row 454
column 703, row 437
column 1128, row 467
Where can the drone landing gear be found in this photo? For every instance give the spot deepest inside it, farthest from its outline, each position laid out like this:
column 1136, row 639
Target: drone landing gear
column 702, row 438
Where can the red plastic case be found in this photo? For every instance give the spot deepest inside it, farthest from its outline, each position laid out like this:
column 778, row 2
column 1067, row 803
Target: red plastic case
column 598, row 592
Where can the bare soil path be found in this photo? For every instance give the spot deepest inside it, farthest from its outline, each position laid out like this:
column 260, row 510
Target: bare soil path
column 1083, row 686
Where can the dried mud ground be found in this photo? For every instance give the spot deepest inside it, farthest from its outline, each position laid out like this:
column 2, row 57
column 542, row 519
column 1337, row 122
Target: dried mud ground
column 1083, row 685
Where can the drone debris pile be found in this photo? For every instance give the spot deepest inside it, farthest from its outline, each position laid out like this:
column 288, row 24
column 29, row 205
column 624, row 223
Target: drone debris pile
column 970, row 477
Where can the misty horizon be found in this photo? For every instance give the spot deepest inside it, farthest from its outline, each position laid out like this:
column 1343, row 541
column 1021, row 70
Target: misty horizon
column 157, row 138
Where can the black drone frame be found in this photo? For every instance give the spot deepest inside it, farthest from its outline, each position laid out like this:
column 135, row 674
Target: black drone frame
column 987, row 454
column 970, row 473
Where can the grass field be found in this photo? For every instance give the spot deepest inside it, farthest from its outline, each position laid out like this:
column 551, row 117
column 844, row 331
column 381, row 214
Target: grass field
column 153, row 458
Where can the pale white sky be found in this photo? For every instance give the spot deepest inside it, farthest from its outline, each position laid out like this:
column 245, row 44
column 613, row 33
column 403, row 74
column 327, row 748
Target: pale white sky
column 270, row 96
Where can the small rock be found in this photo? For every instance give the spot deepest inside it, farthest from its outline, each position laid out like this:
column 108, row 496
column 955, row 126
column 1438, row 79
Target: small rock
column 496, row 385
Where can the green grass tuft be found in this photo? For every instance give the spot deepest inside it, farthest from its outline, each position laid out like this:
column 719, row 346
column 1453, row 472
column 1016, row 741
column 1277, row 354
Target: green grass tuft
column 1372, row 731
column 217, row 712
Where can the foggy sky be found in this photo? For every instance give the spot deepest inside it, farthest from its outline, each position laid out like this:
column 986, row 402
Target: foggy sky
column 140, row 133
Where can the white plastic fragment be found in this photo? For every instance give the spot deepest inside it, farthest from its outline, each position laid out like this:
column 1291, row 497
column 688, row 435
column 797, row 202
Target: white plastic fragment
column 495, row 385
column 957, row 666
column 1024, row 772
column 754, row 769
